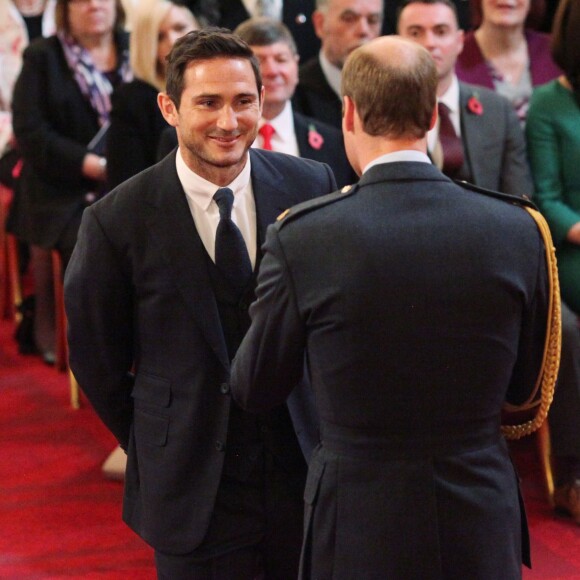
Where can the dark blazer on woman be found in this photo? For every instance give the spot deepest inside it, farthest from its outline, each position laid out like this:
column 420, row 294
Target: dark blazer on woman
column 136, row 125
column 53, row 123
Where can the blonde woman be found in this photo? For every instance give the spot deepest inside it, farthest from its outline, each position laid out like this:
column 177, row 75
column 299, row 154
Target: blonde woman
column 136, row 121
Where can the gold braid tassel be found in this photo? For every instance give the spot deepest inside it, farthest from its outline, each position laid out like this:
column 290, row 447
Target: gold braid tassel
column 551, row 360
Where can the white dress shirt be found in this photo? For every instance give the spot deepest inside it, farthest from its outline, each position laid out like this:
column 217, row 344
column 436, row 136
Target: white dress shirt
column 205, row 212
column 403, row 155
column 284, row 137
column 451, row 99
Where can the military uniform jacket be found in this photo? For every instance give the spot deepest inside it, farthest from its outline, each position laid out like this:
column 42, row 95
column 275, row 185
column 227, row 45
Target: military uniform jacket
column 421, row 306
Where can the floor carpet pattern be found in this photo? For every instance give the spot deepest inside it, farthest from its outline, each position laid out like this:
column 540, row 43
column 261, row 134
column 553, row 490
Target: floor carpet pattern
column 59, row 518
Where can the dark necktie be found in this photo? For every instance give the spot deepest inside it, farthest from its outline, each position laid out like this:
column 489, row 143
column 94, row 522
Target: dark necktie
column 266, row 131
column 231, row 253
column 450, row 143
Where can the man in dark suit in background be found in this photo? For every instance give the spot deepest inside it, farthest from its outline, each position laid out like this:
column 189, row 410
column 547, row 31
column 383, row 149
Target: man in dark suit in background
column 281, row 128
column 295, row 14
column 157, row 294
column 416, row 329
column 342, row 26
column 492, row 146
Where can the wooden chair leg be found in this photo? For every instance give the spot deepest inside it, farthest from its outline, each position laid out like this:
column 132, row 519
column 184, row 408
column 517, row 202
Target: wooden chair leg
column 14, row 279
column 10, row 286
column 60, row 353
column 75, row 402
column 545, row 450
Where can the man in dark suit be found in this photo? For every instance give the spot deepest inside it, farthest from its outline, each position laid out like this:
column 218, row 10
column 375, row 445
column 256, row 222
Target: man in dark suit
column 295, row 14
column 485, row 124
column 416, row 329
column 342, row 26
column 157, row 294
column 281, row 128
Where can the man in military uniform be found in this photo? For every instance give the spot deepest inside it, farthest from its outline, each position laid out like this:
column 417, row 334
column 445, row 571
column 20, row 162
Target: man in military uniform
column 421, row 306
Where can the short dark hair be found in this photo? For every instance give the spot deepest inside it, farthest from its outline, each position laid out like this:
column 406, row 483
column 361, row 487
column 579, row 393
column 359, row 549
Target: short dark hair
column 449, row 3
column 565, row 42
column 265, row 32
column 392, row 99
column 205, row 44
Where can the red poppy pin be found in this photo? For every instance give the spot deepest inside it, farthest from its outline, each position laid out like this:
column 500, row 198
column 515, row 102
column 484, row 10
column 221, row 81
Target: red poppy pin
column 315, row 139
column 474, row 105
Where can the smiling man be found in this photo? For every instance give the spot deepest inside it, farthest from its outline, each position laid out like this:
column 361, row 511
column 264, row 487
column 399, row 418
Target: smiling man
column 157, row 294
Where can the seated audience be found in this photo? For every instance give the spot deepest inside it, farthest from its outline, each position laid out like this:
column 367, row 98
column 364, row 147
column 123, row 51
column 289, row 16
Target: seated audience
column 504, row 55
column 136, row 121
column 21, row 23
column 553, row 131
column 61, row 101
column 478, row 137
column 281, row 128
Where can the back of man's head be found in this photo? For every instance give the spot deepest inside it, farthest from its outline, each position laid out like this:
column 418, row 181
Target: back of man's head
column 265, row 32
column 393, row 85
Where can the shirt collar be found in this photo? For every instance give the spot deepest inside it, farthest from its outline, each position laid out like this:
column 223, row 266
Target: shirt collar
column 283, row 124
column 200, row 190
column 332, row 73
column 451, row 96
column 404, row 155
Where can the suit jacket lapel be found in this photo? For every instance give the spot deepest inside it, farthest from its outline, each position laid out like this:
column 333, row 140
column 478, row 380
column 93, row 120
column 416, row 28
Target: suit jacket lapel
column 173, row 227
column 470, row 134
column 301, row 131
column 267, row 184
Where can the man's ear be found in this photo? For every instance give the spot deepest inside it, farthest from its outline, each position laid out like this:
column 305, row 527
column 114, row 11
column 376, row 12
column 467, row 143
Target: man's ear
column 318, row 23
column 168, row 109
column 348, row 113
column 434, row 116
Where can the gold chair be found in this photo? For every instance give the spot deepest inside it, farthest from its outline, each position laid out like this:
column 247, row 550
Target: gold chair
column 10, row 283
column 544, row 446
column 61, row 346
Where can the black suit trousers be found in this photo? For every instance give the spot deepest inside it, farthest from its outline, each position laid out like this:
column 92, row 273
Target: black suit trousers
column 255, row 530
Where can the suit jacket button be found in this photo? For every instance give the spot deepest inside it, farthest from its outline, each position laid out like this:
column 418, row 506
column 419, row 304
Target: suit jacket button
column 219, row 445
column 225, row 388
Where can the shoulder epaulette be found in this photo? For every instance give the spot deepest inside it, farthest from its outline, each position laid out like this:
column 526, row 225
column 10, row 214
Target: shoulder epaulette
column 307, row 206
column 523, row 200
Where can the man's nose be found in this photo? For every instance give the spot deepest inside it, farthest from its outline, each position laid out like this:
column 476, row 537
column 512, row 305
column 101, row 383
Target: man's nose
column 227, row 120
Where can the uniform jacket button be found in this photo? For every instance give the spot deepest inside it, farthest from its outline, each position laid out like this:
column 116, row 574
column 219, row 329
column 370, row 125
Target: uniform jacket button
column 225, row 388
column 219, row 445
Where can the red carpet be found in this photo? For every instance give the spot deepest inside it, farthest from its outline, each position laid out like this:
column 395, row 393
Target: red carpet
column 60, row 519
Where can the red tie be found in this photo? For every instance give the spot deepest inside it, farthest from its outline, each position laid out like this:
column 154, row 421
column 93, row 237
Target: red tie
column 450, row 143
column 266, row 131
